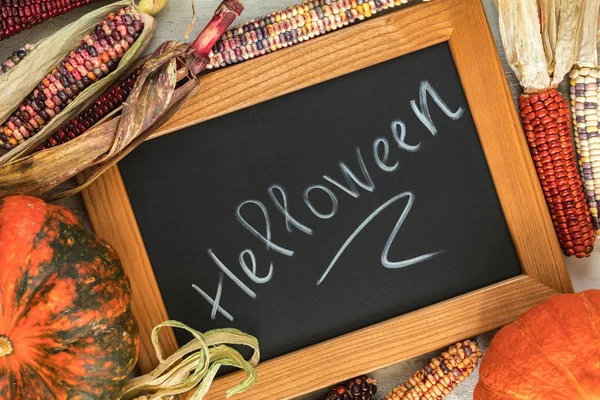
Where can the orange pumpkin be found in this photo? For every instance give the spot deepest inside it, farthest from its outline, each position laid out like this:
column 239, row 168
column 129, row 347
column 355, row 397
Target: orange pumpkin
column 552, row 352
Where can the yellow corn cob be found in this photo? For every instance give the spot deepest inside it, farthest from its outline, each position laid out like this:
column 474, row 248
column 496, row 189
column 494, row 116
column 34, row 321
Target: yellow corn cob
column 437, row 379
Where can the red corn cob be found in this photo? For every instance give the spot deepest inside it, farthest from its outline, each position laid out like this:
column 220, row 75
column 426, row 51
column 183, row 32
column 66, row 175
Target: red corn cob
column 98, row 54
column 547, row 124
column 19, row 15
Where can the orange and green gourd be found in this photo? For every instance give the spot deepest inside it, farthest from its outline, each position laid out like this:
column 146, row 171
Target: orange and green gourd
column 66, row 326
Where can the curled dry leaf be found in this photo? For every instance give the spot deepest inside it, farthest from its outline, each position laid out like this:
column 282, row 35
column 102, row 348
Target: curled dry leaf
column 195, row 365
column 159, row 92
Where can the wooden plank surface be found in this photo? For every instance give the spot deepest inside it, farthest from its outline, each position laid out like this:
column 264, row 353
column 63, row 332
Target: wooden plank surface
column 172, row 22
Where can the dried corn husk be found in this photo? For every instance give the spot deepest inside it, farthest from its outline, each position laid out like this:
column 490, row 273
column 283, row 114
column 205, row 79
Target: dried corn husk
column 569, row 33
column 164, row 83
column 588, row 50
column 195, row 365
column 549, row 10
column 25, row 76
column 520, row 31
column 540, row 54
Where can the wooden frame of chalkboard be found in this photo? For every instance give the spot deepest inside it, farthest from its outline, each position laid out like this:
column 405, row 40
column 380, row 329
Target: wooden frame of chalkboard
column 462, row 23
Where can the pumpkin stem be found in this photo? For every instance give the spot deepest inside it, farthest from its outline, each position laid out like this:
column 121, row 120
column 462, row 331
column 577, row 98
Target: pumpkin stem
column 6, row 346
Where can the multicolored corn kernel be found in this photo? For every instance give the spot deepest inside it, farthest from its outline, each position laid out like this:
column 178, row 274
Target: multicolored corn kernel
column 586, row 115
column 293, row 25
column 104, row 105
column 443, row 374
column 547, row 124
column 16, row 57
column 97, row 55
column 19, row 15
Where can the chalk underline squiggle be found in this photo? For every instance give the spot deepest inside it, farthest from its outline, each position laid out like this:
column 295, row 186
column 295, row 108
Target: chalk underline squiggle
column 384, row 255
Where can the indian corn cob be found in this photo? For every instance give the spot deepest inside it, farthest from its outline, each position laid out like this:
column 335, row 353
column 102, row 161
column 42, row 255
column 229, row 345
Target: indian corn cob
column 443, row 374
column 541, row 55
column 256, row 37
column 584, row 105
column 15, row 58
column 547, row 124
column 19, row 15
column 97, row 55
column 104, row 105
column 293, row 25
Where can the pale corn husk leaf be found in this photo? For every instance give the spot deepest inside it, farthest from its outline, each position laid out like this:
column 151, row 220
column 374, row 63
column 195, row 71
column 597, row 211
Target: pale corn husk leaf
column 521, row 36
column 36, row 59
column 569, row 34
column 549, row 10
column 106, row 143
column 588, row 50
column 195, row 365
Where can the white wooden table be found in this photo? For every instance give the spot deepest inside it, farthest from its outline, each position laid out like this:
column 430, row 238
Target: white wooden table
column 172, row 22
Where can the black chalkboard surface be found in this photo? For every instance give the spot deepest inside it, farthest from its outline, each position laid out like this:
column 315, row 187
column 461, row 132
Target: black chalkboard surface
column 325, row 210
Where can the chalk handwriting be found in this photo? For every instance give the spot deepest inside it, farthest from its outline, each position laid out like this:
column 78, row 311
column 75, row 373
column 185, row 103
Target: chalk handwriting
column 400, row 138
column 352, row 180
column 388, row 243
column 326, row 190
column 283, row 209
column 381, row 160
column 213, row 302
column 252, row 272
column 425, row 117
column 352, row 185
column 261, row 237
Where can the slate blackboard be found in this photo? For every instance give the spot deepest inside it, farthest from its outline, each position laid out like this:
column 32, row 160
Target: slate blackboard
column 389, row 206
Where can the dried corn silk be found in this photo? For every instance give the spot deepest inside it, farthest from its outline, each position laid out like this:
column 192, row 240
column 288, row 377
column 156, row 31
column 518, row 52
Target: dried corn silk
column 25, row 77
column 293, row 25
